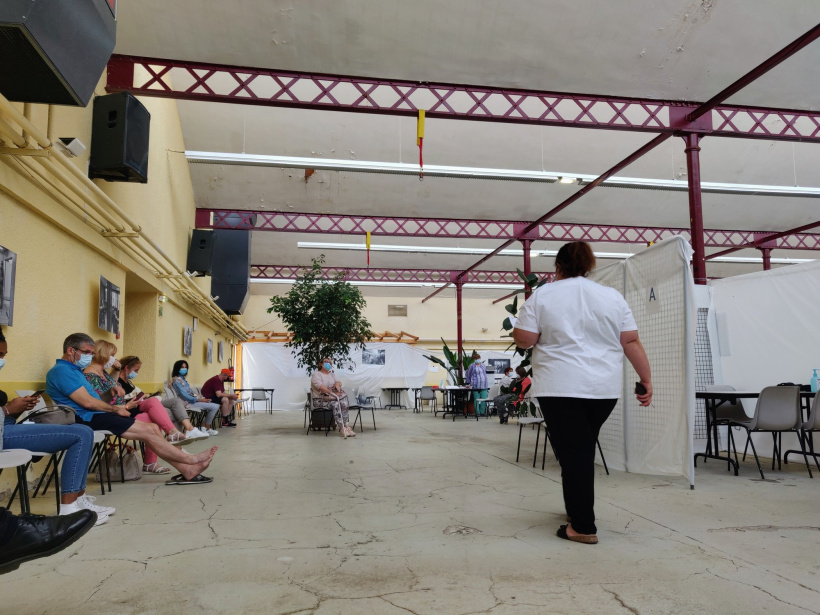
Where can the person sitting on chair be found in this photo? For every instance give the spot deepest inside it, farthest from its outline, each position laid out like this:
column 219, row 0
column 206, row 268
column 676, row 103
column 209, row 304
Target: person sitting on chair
column 327, row 392
column 67, row 386
column 214, row 391
column 506, row 381
column 179, row 381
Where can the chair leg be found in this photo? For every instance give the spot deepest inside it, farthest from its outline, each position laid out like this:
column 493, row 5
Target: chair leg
column 805, row 456
column 537, row 438
column 749, row 441
column 746, row 448
column 518, row 451
column 603, row 459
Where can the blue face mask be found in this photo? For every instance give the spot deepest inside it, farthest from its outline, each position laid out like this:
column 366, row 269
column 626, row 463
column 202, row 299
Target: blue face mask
column 2, row 363
column 132, row 375
column 183, row 371
column 84, row 361
column 327, row 366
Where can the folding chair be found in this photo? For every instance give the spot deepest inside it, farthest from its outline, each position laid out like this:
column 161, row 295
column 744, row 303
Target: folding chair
column 359, row 407
column 807, row 430
column 260, row 395
column 18, row 458
column 429, row 395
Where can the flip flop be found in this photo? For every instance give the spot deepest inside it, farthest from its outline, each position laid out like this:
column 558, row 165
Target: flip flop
column 179, row 479
column 586, row 539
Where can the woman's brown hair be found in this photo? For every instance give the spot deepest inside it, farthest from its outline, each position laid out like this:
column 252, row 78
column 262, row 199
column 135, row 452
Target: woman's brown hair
column 574, row 260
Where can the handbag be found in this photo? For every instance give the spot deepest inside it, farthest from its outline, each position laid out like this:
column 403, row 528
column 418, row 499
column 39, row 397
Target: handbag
column 131, row 464
column 53, row 415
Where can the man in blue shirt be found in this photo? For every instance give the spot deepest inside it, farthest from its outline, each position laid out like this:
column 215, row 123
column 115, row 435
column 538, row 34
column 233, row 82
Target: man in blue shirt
column 66, row 385
column 477, row 378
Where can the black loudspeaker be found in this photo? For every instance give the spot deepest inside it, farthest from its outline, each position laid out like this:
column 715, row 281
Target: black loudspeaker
column 231, row 274
column 201, row 252
column 54, row 51
column 119, row 139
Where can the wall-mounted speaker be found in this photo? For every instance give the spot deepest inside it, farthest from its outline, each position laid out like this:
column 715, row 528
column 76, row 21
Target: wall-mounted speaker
column 201, row 252
column 119, row 139
column 231, row 274
column 54, row 51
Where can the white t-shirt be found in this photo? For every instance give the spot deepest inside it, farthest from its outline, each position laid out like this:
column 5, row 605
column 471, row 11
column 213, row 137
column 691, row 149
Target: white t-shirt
column 579, row 353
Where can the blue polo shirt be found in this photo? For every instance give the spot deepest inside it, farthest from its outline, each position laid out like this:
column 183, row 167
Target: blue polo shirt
column 62, row 380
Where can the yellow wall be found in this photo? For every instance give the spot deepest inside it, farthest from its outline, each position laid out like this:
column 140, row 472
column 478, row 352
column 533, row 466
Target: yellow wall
column 60, row 259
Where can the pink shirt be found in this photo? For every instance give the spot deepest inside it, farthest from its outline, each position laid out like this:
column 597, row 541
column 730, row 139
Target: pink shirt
column 321, row 379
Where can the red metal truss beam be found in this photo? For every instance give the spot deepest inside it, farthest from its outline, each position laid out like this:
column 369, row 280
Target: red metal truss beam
column 254, row 86
column 766, row 240
column 426, row 276
column 392, row 226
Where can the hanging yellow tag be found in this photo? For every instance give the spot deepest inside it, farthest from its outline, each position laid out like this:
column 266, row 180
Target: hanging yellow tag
column 420, row 127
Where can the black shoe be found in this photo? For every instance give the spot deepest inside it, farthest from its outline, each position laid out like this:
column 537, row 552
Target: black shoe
column 39, row 536
column 228, row 424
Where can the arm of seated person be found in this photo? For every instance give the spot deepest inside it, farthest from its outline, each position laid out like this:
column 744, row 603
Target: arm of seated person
column 18, row 405
column 87, row 401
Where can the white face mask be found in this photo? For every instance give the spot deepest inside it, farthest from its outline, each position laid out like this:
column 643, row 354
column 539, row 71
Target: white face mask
column 2, row 362
column 110, row 362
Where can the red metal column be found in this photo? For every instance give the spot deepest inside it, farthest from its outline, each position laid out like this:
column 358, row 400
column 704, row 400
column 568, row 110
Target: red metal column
column 695, row 207
column 526, row 243
column 459, row 336
column 767, row 258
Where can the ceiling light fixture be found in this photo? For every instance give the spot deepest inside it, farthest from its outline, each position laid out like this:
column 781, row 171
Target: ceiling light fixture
column 566, row 180
column 402, row 284
column 398, row 168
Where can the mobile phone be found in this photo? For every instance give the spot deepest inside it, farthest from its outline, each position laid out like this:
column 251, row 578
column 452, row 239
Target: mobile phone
column 38, row 393
column 139, row 396
column 640, row 389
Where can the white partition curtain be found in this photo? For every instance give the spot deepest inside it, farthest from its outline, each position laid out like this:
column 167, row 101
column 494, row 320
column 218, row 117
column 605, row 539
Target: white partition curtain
column 657, row 283
column 272, row 366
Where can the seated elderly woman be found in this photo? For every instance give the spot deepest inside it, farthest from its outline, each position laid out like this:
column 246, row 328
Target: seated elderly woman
column 174, row 407
column 76, row 440
column 145, row 410
column 326, row 392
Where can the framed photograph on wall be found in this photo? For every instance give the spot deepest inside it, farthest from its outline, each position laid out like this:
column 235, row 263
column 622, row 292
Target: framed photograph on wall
column 373, row 357
column 210, row 352
column 187, row 342
column 196, row 322
column 108, row 314
column 8, row 268
column 497, row 366
column 220, row 352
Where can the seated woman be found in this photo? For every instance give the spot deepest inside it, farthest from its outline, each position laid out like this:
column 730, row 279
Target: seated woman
column 76, row 440
column 174, row 407
column 326, row 392
column 186, row 393
column 518, row 390
column 145, row 411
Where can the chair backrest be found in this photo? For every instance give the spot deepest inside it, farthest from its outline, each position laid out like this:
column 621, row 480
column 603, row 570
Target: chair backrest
column 427, row 393
column 718, row 387
column 814, row 416
column 259, row 395
column 168, row 392
column 778, row 409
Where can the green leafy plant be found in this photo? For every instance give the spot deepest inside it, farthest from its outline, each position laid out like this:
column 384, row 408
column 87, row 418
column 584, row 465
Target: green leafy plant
column 531, row 282
column 324, row 315
column 452, row 365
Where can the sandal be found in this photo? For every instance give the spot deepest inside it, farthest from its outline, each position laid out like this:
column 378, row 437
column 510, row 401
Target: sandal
column 155, row 468
column 350, row 432
column 586, row 539
column 179, row 479
column 177, row 439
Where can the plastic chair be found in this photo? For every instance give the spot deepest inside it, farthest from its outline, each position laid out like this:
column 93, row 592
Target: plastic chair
column 429, row 395
column 18, row 458
column 326, row 413
column 359, row 407
column 777, row 410
column 259, row 395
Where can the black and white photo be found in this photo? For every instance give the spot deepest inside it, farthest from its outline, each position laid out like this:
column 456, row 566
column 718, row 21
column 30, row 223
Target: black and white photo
column 8, row 267
column 220, row 352
column 210, row 352
column 497, row 365
column 108, row 314
column 187, row 342
column 373, row 357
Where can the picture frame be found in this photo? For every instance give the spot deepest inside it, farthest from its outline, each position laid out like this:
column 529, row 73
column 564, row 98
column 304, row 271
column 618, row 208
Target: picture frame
column 108, row 312
column 187, row 341
column 209, row 355
column 8, row 273
column 220, row 352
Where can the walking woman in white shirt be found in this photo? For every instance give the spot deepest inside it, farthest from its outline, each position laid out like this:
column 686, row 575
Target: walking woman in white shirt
column 581, row 332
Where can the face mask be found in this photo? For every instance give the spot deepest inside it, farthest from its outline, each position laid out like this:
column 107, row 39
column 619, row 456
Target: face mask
column 183, row 371
column 2, row 363
column 110, row 362
column 132, row 375
column 83, row 361
column 327, row 366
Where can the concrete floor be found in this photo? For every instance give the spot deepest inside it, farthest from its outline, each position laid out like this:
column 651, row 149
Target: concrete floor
column 428, row 516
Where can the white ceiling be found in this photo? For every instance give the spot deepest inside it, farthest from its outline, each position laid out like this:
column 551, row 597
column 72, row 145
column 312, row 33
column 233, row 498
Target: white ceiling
column 670, row 49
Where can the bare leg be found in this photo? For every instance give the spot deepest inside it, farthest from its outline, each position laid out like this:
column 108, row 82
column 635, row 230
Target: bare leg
column 188, row 465
column 226, row 406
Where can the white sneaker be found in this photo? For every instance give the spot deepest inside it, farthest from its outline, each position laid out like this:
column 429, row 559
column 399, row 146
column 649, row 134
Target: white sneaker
column 67, row 509
column 101, row 518
column 87, row 502
column 211, row 432
column 194, row 435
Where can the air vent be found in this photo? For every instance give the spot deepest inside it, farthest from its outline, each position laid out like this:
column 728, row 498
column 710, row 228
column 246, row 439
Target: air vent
column 397, row 310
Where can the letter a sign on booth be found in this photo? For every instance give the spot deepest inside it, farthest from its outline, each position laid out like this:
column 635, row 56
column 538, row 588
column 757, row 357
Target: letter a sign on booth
column 653, row 304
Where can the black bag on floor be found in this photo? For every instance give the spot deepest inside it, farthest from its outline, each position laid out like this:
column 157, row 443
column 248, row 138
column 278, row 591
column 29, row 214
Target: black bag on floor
column 321, row 418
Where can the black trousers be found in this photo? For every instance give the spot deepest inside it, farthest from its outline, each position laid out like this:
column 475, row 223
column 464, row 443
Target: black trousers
column 573, row 425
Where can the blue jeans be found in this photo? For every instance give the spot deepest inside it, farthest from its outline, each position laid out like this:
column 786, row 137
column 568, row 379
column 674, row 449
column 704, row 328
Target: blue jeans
column 76, row 440
column 210, row 411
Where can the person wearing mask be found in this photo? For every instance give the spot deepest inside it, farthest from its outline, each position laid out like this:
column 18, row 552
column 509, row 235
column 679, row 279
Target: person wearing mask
column 66, row 385
column 506, row 380
column 145, row 410
column 174, row 407
column 326, row 392
column 180, row 383
column 76, row 440
column 476, row 377
column 214, row 391
column 580, row 331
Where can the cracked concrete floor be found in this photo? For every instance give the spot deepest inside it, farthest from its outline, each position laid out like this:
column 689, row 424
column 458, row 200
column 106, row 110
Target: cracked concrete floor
column 428, row 516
